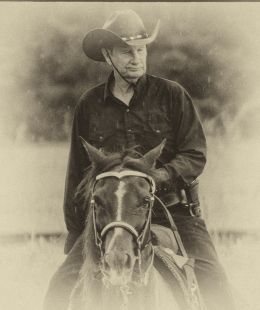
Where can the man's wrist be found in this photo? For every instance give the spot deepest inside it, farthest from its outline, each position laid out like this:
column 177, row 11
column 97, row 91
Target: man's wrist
column 161, row 176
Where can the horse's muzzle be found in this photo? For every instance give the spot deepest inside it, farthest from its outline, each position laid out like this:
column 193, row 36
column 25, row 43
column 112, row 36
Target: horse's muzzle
column 118, row 267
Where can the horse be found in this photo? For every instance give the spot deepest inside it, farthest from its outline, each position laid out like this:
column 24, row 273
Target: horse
column 120, row 256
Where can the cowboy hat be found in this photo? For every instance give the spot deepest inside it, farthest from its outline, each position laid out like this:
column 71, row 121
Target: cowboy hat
column 122, row 27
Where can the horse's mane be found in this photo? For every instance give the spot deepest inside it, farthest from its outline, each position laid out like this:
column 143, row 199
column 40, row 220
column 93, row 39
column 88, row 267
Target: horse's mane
column 126, row 160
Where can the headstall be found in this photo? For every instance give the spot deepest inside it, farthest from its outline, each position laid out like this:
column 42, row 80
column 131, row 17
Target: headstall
column 138, row 237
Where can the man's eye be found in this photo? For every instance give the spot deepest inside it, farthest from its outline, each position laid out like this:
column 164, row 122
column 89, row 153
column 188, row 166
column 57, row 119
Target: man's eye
column 125, row 51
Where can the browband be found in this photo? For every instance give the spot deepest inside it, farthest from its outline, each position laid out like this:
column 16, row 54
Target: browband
column 127, row 173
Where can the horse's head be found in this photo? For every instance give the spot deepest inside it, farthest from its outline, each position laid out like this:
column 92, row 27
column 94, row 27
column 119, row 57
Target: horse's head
column 121, row 201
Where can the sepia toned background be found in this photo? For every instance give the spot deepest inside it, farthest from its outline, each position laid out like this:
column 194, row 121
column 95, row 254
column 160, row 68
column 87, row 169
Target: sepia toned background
column 212, row 49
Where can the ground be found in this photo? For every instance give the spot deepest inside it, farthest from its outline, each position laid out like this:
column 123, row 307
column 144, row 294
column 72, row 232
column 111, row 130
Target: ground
column 26, row 268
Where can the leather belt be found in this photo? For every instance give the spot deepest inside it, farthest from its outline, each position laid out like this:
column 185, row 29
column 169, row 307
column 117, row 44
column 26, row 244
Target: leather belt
column 191, row 209
column 177, row 207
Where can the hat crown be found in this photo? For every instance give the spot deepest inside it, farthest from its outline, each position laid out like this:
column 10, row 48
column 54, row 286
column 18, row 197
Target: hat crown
column 122, row 27
column 126, row 24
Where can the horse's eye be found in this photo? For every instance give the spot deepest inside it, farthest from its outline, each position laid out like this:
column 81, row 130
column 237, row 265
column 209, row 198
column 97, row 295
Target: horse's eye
column 146, row 202
column 97, row 200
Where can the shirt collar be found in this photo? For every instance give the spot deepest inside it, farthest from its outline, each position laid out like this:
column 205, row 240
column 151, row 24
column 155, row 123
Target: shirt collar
column 139, row 87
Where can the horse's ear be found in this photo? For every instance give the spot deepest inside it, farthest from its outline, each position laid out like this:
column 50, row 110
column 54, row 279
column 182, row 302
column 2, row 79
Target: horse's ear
column 151, row 156
column 96, row 157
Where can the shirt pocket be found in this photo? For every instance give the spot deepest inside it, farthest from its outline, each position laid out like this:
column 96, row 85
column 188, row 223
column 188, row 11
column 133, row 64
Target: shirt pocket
column 159, row 122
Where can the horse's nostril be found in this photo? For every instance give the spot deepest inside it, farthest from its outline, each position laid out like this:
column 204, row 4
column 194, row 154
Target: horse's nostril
column 113, row 260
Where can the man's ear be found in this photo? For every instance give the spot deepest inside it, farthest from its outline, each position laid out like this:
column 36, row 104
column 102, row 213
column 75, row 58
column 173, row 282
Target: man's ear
column 105, row 54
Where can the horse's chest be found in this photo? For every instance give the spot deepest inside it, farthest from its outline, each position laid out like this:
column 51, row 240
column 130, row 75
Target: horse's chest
column 157, row 295
column 162, row 296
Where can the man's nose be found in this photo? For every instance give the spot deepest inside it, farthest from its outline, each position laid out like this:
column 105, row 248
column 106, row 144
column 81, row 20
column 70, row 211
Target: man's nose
column 135, row 56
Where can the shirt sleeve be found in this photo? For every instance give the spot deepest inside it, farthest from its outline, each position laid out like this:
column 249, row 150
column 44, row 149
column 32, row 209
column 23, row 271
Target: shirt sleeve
column 190, row 141
column 77, row 163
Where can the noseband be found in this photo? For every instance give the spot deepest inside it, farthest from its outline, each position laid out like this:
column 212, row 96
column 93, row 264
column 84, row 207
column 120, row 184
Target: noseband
column 138, row 237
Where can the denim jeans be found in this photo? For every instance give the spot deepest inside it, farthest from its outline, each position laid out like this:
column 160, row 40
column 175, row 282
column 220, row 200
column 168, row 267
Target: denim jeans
column 197, row 242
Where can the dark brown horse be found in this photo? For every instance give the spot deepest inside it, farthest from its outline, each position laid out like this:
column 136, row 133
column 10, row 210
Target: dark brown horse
column 118, row 270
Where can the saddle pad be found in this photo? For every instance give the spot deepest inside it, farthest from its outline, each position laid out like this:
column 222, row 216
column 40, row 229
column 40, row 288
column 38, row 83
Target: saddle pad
column 164, row 237
column 173, row 275
column 178, row 272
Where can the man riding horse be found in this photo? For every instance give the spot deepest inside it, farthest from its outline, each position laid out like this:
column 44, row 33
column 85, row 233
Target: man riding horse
column 134, row 109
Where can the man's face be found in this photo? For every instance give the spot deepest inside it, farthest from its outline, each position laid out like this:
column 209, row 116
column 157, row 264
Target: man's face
column 130, row 61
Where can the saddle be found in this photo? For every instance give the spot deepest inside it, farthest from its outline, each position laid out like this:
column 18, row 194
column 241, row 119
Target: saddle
column 177, row 270
column 164, row 237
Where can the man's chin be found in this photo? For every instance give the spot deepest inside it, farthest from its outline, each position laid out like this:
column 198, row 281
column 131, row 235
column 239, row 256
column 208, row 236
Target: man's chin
column 134, row 77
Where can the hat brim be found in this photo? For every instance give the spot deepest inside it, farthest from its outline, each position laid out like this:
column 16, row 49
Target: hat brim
column 100, row 38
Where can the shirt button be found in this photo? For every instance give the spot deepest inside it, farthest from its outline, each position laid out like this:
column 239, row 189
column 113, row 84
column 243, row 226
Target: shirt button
column 129, row 130
column 127, row 110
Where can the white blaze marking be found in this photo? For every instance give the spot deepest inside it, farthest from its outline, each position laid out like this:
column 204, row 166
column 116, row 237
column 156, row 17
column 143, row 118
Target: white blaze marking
column 117, row 232
column 120, row 195
column 120, row 192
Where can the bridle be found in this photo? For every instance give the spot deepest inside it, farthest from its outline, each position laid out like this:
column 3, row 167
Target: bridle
column 139, row 238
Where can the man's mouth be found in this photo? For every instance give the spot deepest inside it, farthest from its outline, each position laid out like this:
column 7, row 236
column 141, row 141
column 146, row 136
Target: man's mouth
column 135, row 68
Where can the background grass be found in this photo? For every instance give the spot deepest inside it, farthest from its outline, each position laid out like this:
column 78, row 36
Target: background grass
column 33, row 175
column 27, row 267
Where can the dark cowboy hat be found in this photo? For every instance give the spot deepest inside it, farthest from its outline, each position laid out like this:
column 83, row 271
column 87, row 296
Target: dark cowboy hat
column 121, row 27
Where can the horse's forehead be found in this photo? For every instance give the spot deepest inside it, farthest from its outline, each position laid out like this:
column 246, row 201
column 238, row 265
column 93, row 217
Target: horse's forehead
column 126, row 185
column 127, row 182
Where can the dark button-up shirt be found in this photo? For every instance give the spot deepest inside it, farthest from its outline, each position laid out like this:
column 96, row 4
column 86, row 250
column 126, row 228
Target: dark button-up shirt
column 158, row 109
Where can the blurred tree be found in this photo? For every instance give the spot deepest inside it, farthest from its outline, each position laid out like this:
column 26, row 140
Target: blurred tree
column 59, row 74
column 206, row 64
column 205, row 60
